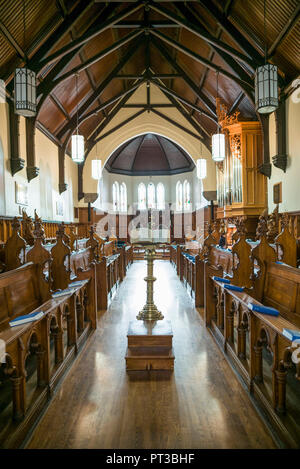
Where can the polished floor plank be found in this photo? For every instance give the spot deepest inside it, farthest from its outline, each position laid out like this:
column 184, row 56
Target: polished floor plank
column 200, row 405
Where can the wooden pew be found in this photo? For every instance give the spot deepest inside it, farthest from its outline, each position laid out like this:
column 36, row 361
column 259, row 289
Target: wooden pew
column 110, row 262
column 254, row 343
column 50, row 343
column 190, row 268
column 128, row 255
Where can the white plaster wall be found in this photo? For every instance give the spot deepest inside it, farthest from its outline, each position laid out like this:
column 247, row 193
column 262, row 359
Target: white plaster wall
column 42, row 190
column 291, row 178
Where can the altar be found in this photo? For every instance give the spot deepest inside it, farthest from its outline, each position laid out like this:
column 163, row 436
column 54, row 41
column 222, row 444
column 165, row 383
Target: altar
column 159, row 235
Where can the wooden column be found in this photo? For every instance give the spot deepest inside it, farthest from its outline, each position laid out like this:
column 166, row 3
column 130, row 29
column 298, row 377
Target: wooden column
column 18, row 410
column 258, row 376
column 241, row 345
column 266, row 167
column 16, row 163
column 281, row 375
column 62, row 186
column 280, row 159
column 31, row 169
column 80, row 182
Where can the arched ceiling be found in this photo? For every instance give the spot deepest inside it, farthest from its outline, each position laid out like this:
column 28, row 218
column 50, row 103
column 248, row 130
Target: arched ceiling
column 181, row 46
column 149, row 154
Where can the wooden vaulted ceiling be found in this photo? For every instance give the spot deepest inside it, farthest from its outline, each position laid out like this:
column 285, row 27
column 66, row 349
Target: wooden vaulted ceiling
column 184, row 47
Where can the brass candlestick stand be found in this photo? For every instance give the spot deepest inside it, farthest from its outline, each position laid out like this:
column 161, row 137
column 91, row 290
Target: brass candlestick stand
column 150, row 311
column 149, row 340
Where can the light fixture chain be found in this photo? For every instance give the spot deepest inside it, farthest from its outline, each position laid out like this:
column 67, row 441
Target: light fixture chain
column 24, row 25
column 77, row 100
column 265, row 33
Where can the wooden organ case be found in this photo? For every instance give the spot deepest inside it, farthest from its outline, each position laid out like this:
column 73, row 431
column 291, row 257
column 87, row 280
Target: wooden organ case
column 241, row 188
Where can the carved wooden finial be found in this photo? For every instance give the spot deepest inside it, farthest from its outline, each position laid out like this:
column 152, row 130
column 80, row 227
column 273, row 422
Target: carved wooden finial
column 262, row 226
column 16, row 225
column 61, row 230
column 240, row 226
column 222, row 229
column 285, row 220
column 14, row 249
column 38, row 231
column 223, row 116
column 60, row 253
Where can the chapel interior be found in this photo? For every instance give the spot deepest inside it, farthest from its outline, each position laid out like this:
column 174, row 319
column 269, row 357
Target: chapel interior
column 149, row 224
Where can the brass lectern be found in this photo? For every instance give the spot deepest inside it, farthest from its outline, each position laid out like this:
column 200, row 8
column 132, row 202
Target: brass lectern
column 149, row 338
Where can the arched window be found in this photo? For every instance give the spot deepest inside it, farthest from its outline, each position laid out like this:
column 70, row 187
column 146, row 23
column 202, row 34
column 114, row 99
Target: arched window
column 160, row 196
column 151, row 195
column 116, row 196
column 178, row 196
column 123, row 197
column 142, row 197
column 186, row 195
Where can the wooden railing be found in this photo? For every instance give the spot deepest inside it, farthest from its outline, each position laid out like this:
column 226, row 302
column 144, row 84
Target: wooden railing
column 50, row 229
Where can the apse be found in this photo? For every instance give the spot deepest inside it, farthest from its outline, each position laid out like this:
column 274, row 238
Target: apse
column 149, row 154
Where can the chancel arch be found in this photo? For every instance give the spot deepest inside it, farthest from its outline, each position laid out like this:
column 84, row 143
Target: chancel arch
column 168, row 216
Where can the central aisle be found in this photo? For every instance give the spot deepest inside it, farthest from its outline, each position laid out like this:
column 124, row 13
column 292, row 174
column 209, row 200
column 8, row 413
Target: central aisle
column 200, row 405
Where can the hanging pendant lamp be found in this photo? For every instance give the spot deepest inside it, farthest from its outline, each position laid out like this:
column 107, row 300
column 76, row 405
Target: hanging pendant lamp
column 201, row 166
column 266, row 82
column 218, row 142
column 25, row 85
column 96, row 167
column 77, row 140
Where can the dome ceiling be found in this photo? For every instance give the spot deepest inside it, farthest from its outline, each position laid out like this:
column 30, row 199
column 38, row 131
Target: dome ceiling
column 149, row 154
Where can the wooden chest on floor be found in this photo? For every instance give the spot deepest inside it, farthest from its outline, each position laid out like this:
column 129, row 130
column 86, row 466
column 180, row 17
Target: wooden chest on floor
column 150, row 346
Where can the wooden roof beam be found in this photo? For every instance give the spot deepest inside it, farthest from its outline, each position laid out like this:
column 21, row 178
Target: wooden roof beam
column 110, row 102
column 205, row 100
column 247, row 86
column 59, row 106
column 178, row 105
column 285, row 30
column 141, row 24
column 232, row 31
column 193, row 14
column 96, row 58
column 121, row 124
column 183, row 100
column 11, row 40
column 46, row 86
column 161, row 76
column 62, row 7
column 176, row 124
column 91, row 99
column 64, row 28
column 84, row 38
column 92, row 138
column 195, row 29
column 47, row 45
column 232, row 63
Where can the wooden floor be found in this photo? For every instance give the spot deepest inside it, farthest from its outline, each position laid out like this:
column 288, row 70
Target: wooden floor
column 200, row 405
